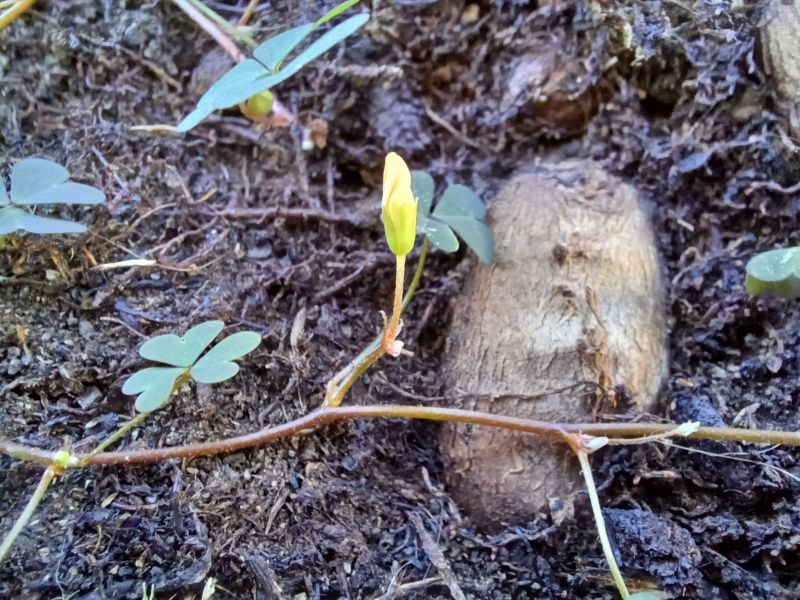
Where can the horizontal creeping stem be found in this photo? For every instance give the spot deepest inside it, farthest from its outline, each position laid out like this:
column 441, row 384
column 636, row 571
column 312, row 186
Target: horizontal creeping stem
column 325, row 416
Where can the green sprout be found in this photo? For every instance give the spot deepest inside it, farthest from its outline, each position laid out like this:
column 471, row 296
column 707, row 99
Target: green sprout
column 155, row 385
column 255, row 76
column 775, row 272
column 459, row 210
column 37, row 181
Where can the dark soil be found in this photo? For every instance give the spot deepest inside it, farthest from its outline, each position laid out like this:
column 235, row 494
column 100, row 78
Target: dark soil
column 669, row 95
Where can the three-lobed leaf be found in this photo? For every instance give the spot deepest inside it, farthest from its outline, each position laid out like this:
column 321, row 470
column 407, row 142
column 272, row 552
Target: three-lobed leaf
column 155, row 385
column 458, row 211
column 775, row 272
column 251, row 77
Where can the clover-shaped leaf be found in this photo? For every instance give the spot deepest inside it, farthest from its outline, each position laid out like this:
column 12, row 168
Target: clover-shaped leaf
column 155, row 385
column 40, row 181
column 458, row 211
column 265, row 70
column 775, row 272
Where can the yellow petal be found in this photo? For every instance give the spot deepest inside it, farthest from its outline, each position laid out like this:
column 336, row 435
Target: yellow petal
column 398, row 206
column 396, row 176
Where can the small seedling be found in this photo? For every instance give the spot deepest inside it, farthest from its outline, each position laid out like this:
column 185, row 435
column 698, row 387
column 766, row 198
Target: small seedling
column 155, row 385
column 459, row 210
column 37, row 181
column 148, row 595
column 252, row 78
column 775, row 272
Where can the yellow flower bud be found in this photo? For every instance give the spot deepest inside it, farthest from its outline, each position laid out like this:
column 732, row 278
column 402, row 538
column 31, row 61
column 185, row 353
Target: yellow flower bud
column 260, row 104
column 398, row 206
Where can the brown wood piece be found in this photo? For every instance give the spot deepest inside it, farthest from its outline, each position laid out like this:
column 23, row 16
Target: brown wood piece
column 573, row 303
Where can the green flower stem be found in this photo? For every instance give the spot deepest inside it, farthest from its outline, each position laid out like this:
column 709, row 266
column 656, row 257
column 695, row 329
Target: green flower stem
column 397, row 306
column 23, row 520
column 341, row 383
column 600, row 523
column 134, row 422
column 116, row 436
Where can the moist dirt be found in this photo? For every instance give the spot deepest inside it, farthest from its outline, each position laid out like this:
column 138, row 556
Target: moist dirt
column 670, row 96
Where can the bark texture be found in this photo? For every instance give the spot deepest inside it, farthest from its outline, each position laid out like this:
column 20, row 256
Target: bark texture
column 780, row 40
column 574, row 302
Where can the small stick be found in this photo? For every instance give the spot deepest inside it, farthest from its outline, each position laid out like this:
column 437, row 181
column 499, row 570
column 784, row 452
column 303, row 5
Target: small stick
column 211, row 29
column 436, row 557
column 15, row 11
column 248, row 13
column 326, row 416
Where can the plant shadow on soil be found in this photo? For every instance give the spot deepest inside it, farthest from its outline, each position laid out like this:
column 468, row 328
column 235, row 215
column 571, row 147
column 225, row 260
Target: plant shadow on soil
column 331, row 514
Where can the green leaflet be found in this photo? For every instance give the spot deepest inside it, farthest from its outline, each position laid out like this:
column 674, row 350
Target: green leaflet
column 775, row 272
column 217, row 364
column 460, row 201
column 154, row 386
column 275, row 50
column 423, row 187
column 15, row 219
column 40, row 181
column 181, row 351
column 30, row 176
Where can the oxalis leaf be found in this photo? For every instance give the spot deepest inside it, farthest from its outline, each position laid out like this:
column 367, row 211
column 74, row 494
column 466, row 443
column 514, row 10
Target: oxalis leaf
column 155, row 385
column 251, row 77
column 459, row 210
column 775, row 272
